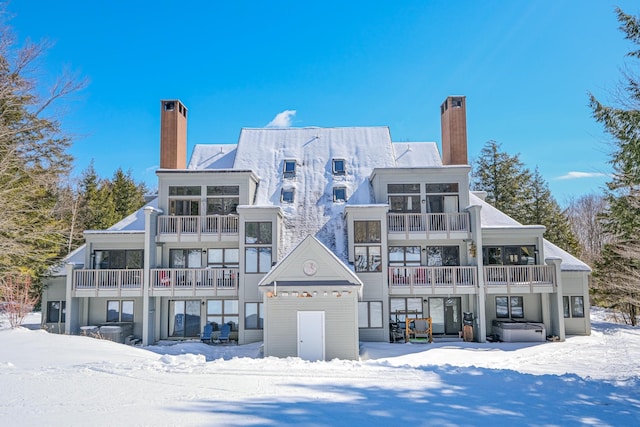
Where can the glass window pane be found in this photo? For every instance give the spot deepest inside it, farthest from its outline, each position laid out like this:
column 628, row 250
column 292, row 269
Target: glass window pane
column 414, row 305
column 251, row 232
column 375, row 258
column 360, row 259
column 374, row 232
column 360, row 231
column 251, row 315
column 577, row 307
column 214, row 256
column 413, row 255
column 251, row 260
column 396, row 256
column 127, row 311
column 434, row 256
column 177, row 258
column 451, row 255
column 230, row 306
column 113, row 311
column 363, row 314
column 195, row 258
column 214, row 306
column 502, row 307
column 265, row 260
column 231, row 256
column 53, row 311
column 397, row 305
column 517, row 308
column 134, row 259
column 265, row 233
column 565, row 306
column 375, row 314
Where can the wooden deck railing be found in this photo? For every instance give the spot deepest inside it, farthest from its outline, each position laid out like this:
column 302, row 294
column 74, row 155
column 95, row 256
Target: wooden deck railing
column 428, row 223
column 432, row 277
column 519, row 275
column 101, row 279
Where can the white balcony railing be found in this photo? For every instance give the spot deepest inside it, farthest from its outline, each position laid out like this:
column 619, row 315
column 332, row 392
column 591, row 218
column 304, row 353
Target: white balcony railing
column 428, row 223
column 194, row 278
column 103, row 279
column 519, row 275
column 197, row 225
column 432, row 277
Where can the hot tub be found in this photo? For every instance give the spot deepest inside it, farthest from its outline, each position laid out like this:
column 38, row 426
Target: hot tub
column 519, row 331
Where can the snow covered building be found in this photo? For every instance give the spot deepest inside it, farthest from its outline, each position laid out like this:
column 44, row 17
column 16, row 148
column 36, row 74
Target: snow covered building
column 313, row 239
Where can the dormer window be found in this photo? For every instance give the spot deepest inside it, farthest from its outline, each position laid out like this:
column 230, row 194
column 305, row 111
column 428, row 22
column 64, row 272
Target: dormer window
column 287, row 195
column 339, row 167
column 289, row 169
column 339, row 194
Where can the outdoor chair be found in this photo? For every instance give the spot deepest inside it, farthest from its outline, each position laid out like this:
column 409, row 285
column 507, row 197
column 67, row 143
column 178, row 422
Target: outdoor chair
column 223, row 336
column 207, row 332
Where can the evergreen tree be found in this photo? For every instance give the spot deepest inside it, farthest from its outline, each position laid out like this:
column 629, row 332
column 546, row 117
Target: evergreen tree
column 33, row 159
column 127, row 195
column 615, row 285
column 503, row 177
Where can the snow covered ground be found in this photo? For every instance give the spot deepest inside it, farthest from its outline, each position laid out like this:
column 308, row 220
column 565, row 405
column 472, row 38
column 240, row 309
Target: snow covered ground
column 58, row 380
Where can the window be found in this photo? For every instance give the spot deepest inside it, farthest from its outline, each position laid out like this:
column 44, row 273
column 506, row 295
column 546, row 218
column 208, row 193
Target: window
column 404, row 198
column 185, row 258
column 438, row 256
column 181, row 205
column 117, row 259
column 254, row 315
column 56, row 311
column 509, row 255
column 221, row 311
column 367, row 231
column 370, row 314
column 402, row 308
column 404, row 256
column 258, row 258
column 573, row 306
column 184, row 318
column 439, row 198
column 119, row 311
column 339, row 167
column 367, row 258
column 169, row 106
column 222, row 258
column 287, row 195
column 289, row 169
column 258, row 233
column 509, row 307
column 222, row 200
column 339, row 194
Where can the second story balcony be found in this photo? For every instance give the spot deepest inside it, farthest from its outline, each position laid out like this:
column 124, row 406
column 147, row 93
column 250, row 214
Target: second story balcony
column 107, row 283
column 180, row 228
column 453, row 280
column 519, row 279
column 194, row 282
column 429, row 225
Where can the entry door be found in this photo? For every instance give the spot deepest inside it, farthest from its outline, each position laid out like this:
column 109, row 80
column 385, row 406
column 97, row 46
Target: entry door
column 445, row 315
column 311, row 335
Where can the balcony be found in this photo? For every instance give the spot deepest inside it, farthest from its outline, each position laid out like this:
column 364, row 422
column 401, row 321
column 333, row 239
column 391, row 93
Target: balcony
column 433, row 225
column 432, row 280
column 173, row 228
column 501, row 279
column 107, row 283
column 194, row 282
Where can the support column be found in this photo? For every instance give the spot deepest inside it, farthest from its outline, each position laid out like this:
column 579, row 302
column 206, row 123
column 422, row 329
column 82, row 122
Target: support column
column 72, row 312
column 557, row 312
column 148, row 309
column 475, row 248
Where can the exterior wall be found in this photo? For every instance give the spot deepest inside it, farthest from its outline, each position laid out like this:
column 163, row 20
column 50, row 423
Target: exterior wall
column 55, row 290
column 96, row 309
column 341, row 329
column 576, row 283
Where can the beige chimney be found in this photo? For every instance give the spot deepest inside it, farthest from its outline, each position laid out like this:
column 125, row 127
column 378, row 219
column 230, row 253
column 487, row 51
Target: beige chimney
column 173, row 135
column 453, row 118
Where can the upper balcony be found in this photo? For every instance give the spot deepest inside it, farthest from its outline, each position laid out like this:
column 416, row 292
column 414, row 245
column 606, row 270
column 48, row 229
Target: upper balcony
column 528, row 279
column 454, row 280
column 164, row 282
column 428, row 225
column 193, row 228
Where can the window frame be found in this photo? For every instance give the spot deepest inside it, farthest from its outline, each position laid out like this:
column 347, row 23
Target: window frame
column 340, row 194
column 228, row 195
column 507, row 255
column 187, row 252
column 259, row 312
column 403, row 315
column 510, row 306
column 444, row 256
column 572, row 309
column 224, row 263
column 339, row 171
column 124, row 254
column 287, row 170
column 404, row 198
column 61, row 311
column 120, row 311
column 365, row 307
column 225, row 314
column 262, row 247
column 284, row 195
column 404, row 262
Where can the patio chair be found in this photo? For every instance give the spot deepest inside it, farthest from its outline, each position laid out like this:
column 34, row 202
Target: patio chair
column 223, row 336
column 207, row 332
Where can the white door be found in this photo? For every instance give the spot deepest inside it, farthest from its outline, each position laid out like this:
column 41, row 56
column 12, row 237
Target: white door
column 311, row 335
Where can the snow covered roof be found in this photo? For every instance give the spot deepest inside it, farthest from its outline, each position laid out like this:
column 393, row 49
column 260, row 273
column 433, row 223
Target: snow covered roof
column 133, row 222
column 213, row 156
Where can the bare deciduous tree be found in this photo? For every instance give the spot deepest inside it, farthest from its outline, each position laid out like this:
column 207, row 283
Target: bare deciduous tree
column 17, row 297
column 584, row 215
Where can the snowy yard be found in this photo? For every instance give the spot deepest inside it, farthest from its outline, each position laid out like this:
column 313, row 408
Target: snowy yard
column 58, row 380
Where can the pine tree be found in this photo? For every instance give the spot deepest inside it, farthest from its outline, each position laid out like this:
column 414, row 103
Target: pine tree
column 615, row 285
column 127, row 195
column 503, row 177
column 33, row 159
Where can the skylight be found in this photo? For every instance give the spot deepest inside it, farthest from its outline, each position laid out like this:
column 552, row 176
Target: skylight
column 289, row 170
column 339, row 167
column 339, row 194
column 287, row 195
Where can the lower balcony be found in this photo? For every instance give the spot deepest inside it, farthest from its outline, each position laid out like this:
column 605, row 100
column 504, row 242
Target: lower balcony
column 528, row 279
column 433, row 225
column 194, row 282
column 107, row 283
column 454, row 280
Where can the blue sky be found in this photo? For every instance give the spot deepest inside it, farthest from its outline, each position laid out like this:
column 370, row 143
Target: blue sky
column 526, row 68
